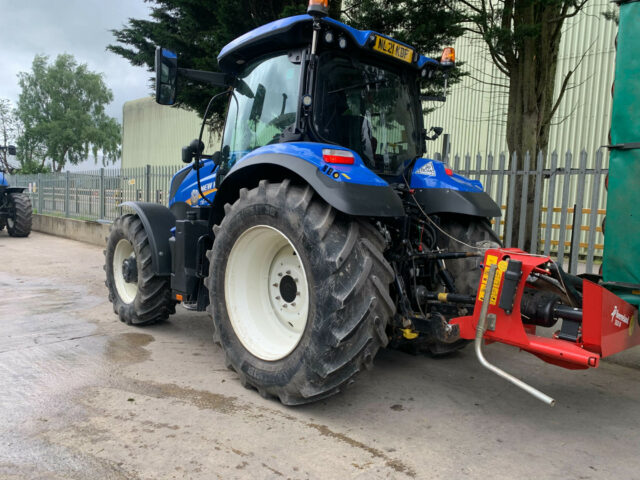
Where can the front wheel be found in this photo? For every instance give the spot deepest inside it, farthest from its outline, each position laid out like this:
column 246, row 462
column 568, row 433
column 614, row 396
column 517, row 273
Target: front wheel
column 19, row 224
column 138, row 296
column 298, row 292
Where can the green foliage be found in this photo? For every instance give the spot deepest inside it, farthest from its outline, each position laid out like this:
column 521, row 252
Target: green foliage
column 61, row 107
column 428, row 26
column 29, row 167
column 198, row 29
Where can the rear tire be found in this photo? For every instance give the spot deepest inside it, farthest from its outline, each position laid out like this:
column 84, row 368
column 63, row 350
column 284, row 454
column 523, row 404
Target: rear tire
column 342, row 286
column 475, row 232
column 20, row 225
column 142, row 298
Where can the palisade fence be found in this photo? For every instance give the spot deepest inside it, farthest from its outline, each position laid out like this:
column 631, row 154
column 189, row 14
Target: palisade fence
column 563, row 185
column 96, row 194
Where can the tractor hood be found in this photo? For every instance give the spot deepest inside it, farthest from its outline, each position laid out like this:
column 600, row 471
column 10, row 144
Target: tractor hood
column 293, row 32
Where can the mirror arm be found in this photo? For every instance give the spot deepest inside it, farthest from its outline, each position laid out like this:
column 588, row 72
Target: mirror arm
column 212, row 78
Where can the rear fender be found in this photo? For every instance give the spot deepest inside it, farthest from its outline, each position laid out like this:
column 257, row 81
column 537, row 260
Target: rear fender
column 351, row 189
column 439, row 190
column 158, row 222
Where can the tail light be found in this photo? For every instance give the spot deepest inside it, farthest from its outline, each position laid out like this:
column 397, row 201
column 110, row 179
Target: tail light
column 342, row 157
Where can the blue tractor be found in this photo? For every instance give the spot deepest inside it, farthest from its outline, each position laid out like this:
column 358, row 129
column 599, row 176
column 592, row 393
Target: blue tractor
column 317, row 233
column 15, row 206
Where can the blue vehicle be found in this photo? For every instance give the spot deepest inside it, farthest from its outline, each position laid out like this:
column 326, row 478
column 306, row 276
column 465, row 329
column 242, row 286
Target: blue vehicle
column 15, row 207
column 317, row 234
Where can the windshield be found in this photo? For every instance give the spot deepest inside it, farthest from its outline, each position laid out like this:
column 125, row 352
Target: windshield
column 368, row 109
column 263, row 108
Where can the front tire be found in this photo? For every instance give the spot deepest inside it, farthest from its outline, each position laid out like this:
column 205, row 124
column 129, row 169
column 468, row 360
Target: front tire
column 138, row 296
column 20, row 224
column 298, row 293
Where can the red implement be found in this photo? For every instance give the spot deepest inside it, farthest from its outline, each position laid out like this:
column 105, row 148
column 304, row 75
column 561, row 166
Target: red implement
column 609, row 324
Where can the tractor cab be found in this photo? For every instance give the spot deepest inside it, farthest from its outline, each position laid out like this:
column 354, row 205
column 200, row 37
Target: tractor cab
column 358, row 90
column 310, row 78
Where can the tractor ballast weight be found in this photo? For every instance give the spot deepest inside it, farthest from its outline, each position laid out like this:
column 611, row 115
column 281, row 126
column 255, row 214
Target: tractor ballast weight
column 318, row 233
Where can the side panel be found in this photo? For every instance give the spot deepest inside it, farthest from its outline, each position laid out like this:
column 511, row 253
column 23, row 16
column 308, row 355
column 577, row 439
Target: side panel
column 3, row 180
column 184, row 184
column 351, row 189
column 158, row 222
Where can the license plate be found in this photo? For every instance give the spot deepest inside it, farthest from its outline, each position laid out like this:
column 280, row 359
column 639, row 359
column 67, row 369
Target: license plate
column 393, row 49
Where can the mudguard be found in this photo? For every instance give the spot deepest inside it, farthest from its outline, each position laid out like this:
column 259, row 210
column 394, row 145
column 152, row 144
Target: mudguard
column 14, row 189
column 158, row 222
column 439, row 190
column 351, row 189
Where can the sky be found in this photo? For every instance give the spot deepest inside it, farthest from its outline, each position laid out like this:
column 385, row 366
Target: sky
column 79, row 27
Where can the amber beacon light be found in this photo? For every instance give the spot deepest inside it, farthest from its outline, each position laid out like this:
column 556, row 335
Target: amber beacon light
column 448, row 58
column 318, row 7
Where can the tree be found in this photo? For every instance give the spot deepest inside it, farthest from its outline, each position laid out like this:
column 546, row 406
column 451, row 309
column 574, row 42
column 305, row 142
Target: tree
column 523, row 39
column 198, row 29
column 428, row 26
column 9, row 130
column 61, row 106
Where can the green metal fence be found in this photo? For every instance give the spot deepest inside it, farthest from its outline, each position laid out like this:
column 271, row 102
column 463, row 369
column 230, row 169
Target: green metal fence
column 96, row 194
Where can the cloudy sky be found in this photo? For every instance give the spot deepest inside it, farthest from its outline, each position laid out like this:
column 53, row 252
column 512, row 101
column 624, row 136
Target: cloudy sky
column 79, row 27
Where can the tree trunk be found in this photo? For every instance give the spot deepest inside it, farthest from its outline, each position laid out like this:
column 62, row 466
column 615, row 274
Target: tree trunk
column 531, row 98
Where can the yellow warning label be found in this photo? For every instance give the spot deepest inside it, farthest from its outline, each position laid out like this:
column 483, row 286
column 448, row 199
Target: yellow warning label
column 491, row 260
column 496, row 287
column 502, row 265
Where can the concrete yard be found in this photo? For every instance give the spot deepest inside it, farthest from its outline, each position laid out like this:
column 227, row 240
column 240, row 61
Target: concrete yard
column 83, row 396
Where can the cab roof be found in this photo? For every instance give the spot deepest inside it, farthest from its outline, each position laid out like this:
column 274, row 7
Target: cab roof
column 292, row 32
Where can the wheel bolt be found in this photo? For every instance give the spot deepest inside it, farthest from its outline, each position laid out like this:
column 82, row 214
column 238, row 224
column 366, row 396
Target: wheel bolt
column 279, row 274
column 275, row 284
column 293, row 304
column 277, row 298
column 284, row 306
column 288, row 272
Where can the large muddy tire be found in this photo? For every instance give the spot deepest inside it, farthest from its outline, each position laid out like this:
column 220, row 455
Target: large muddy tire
column 20, row 224
column 138, row 296
column 474, row 232
column 299, row 293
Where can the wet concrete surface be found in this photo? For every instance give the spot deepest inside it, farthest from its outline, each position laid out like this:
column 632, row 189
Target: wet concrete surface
column 83, row 396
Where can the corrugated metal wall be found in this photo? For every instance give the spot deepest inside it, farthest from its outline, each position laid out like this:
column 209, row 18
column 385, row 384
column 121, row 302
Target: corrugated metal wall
column 475, row 111
column 155, row 134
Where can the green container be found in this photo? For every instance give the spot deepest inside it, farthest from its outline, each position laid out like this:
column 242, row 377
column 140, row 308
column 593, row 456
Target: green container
column 621, row 262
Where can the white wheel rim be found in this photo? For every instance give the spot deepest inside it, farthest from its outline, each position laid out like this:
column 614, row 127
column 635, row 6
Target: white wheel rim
column 126, row 291
column 10, row 223
column 266, row 293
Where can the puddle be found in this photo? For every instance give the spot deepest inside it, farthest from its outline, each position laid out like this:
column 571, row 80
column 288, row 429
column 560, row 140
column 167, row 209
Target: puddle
column 128, row 347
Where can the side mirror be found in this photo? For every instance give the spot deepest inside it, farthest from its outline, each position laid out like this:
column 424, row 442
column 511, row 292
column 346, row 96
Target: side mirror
column 437, row 131
column 190, row 151
column 166, row 75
